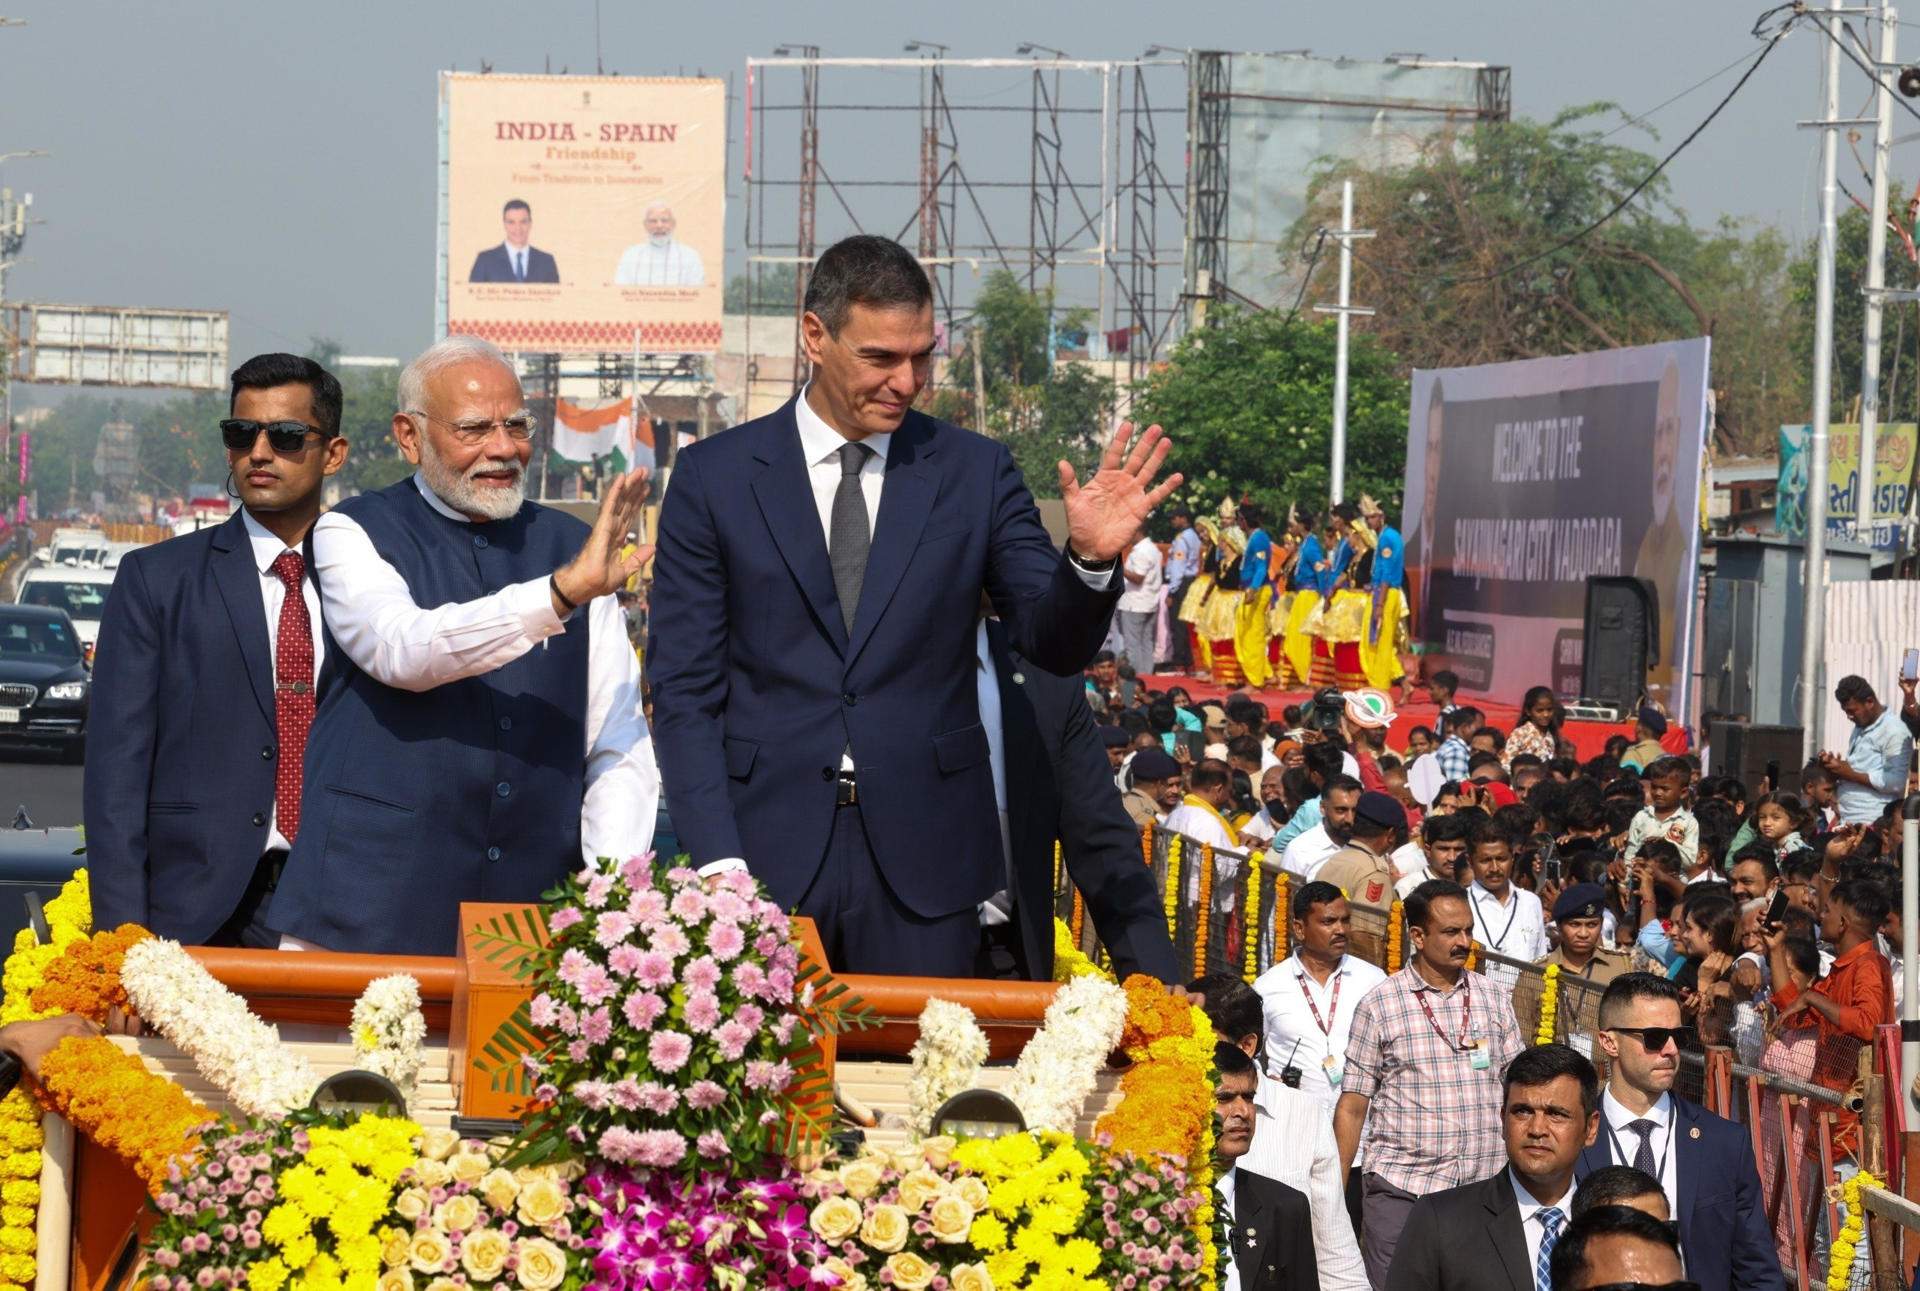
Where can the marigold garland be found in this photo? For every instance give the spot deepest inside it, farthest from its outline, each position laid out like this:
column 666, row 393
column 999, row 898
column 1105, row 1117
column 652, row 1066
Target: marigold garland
column 1146, row 845
column 1079, row 915
column 111, row 1097
column 69, row 918
column 85, row 977
column 1396, row 934
column 1846, row 1245
column 1172, row 894
column 1203, row 917
column 1069, row 961
column 1250, row 919
column 1282, row 916
column 1549, row 1005
column 1473, row 956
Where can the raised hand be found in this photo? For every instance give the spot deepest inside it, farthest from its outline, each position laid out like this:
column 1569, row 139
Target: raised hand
column 600, row 569
column 1104, row 513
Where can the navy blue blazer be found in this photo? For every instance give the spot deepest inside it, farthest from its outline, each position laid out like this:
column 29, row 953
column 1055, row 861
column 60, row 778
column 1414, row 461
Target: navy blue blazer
column 1060, row 786
column 1723, row 1226
column 493, row 265
column 758, row 686
column 182, row 746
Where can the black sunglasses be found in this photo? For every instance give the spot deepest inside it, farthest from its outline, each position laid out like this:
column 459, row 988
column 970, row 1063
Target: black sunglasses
column 1654, row 1039
column 239, row 434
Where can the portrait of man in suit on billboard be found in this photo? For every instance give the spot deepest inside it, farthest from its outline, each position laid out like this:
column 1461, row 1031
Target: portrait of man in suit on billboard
column 516, row 259
column 1668, row 543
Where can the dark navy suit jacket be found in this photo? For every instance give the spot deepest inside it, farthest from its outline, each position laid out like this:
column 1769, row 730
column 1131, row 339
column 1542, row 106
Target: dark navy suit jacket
column 493, row 265
column 758, row 686
column 1060, row 786
column 1723, row 1226
column 182, row 749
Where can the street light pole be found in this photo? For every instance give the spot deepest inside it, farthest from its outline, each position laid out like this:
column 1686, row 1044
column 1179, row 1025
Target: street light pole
column 1341, row 312
column 1876, row 275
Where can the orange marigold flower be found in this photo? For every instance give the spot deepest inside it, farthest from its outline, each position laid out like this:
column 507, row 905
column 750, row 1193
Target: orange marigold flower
column 111, row 1097
column 85, row 979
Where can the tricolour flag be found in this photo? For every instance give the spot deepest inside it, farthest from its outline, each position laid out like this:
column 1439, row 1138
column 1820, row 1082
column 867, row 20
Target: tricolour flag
column 583, row 432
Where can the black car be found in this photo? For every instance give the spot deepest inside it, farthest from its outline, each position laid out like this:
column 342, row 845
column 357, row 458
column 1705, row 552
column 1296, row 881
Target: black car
column 44, row 685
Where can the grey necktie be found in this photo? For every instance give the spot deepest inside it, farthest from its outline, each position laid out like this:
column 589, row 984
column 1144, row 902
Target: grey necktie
column 520, row 266
column 1643, row 1155
column 848, row 534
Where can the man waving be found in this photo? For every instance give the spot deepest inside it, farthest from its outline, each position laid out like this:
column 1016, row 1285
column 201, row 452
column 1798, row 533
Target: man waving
column 814, row 611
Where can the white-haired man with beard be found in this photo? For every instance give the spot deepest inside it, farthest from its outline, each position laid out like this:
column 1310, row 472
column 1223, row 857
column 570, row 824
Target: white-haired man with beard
column 479, row 729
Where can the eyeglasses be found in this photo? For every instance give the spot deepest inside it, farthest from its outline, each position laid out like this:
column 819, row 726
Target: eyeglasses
column 239, row 434
column 472, row 431
column 1654, row 1039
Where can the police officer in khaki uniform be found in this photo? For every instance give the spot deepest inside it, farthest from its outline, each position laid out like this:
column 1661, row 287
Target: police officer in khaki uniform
column 1585, row 969
column 1157, row 788
column 1362, row 869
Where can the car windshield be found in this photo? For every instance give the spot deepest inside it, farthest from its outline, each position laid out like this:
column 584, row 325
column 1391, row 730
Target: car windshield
column 25, row 636
column 79, row 600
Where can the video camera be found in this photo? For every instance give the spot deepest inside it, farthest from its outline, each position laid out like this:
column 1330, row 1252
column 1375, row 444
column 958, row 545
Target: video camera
column 1322, row 712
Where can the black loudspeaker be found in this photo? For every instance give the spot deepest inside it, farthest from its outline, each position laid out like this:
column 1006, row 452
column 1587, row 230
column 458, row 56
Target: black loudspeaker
column 1743, row 750
column 1622, row 640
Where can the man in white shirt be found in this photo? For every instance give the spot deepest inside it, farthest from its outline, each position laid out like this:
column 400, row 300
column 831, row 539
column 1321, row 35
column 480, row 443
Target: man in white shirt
column 1308, row 999
column 1307, row 853
column 662, row 260
column 1201, row 815
column 1507, row 920
column 1266, row 822
column 483, row 733
column 1140, row 603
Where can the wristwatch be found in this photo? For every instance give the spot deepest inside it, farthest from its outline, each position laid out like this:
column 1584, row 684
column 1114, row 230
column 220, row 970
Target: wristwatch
column 1091, row 566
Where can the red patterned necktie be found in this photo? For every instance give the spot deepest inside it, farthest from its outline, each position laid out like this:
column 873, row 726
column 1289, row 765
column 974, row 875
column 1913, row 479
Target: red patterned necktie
column 292, row 691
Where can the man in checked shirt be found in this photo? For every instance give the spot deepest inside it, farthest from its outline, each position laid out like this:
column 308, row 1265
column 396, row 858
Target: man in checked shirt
column 1424, row 1064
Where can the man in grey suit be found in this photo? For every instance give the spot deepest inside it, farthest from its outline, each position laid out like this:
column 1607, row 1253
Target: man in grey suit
column 1499, row 1234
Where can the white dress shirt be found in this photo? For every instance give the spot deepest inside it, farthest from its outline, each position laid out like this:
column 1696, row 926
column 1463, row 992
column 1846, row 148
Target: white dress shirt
column 1227, row 1185
column 1200, row 826
column 1530, row 1208
column 1622, row 1143
column 1308, row 853
column 266, row 550
column 1515, row 928
column 374, row 619
column 1259, row 830
column 517, row 260
column 1285, row 991
column 1293, row 1143
column 986, row 683
column 673, row 265
column 1144, row 596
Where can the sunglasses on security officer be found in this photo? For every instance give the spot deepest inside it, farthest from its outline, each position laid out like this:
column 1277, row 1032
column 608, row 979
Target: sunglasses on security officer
column 1654, row 1039
column 239, row 434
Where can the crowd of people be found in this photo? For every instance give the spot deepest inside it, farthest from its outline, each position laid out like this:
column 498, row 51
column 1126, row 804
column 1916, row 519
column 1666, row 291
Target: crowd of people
column 1682, row 909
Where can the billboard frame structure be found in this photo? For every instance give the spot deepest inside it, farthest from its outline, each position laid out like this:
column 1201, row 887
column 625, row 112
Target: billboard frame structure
column 124, row 345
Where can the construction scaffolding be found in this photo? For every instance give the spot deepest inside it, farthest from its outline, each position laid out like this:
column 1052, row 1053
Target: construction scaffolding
column 1104, row 211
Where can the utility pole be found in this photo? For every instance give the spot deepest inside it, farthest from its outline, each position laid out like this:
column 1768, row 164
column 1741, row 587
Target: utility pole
column 1341, row 312
column 1813, row 615
column 1876, row 272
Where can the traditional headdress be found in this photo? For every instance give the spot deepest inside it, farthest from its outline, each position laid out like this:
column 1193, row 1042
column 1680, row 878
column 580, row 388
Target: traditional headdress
column 1228, row 509
column 1368, row 507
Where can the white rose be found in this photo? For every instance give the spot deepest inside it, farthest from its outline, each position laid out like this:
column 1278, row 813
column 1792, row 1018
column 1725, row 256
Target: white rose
column 543, row 1265
column 410, row 1205
column 469, row 1167
column 437, row 1143
column 886, row 1229
column 457, row 1214
column 835, row 1219
column 500, row 1188
column 484, row 1253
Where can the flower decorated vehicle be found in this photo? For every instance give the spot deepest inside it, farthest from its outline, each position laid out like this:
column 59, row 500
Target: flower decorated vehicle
column 633, row 1085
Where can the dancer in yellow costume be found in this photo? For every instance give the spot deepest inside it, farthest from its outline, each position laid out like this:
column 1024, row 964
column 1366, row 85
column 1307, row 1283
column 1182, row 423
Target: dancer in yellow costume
column 1194, row 600
column 1307, row 580
column 1256, row 596
column 1339, row 623
column 1387, row 633
column 1219, row 616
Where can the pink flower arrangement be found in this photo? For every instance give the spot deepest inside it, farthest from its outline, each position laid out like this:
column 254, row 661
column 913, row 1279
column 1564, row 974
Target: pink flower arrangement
column 668, row 1005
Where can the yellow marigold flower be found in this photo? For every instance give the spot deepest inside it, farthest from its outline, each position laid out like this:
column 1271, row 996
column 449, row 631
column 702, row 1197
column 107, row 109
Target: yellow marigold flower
column 267, row 1275
column 989, row 1233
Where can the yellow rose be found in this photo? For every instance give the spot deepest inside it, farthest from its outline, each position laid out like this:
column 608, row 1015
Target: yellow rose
column 484, row 1253
column 850, row 1278
column 910, row 1272
column 938, row 1150
column 410, row 1205
column 972, row 1189
column 543, row 1265
column 469, row 1167
column 951, row 1218
column 429, row 1252
column 500, row 1188
column 885, row 1229
column 542, row 1201
column 394, row 1253
column 835, row 1219
column 918, row 1187
column 432, row 1174
column 437, row 1144
column 442, row 1284
column 395, row 1280
column 861, row 1178
column 457, row 1214
column 905, row 1159
column 969, row 1277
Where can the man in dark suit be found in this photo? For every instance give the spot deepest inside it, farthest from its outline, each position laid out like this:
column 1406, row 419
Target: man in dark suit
column 1704, row 1162
column 210, row 646
column 1267, row 1226
column 1499, row 1234
column 1059, row 785
column 814, row 610
column 515, row 260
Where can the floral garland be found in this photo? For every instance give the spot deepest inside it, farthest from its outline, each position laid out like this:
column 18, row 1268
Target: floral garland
column 390, row 1032
column 946, row 1059
column 1396, row 936
column 1172, row 895
column 1203, row 916
column 1069, row 961
column 1079, row 915
column 69, row 918
column 85, row 978
column 111, row 1097
column 238, row 1053
column 1473, row 956
column 1250, row 918
column 1846, row 1244
column 1549, row 1005
column 1056, row 1071
column 1282, row 916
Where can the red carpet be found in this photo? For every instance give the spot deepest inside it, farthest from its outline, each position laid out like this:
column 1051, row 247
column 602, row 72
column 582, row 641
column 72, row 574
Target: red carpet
column 1588, row 737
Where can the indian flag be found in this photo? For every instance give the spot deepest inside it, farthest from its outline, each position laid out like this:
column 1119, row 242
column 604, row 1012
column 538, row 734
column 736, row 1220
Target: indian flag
column 583, row 432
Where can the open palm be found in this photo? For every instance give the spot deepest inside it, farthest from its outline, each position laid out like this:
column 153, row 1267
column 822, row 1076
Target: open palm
column 1104, row 513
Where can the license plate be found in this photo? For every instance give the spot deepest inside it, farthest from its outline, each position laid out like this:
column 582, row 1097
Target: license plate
column 9, row 714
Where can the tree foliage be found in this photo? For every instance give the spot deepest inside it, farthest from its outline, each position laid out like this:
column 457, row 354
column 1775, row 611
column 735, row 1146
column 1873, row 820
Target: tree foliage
column 1900, row 338
column 773, row 294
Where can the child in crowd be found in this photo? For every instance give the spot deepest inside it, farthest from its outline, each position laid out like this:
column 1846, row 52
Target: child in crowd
column 1781, row 819
column 1666, row 815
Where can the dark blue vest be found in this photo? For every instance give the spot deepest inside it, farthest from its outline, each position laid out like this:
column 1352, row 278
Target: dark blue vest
column 471, row 791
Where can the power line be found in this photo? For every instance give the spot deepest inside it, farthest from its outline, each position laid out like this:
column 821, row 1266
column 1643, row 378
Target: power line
column 1640, row 119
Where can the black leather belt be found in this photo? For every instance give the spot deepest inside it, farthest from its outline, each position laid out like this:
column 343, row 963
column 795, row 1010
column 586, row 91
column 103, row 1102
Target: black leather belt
column 846, row 791
column 267, row 874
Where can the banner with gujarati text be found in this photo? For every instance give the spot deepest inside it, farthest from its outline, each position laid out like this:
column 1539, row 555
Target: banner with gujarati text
column 1893, row 449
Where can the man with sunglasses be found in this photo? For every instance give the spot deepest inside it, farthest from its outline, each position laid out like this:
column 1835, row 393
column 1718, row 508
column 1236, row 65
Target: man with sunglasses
column 481, row 730
column 210, row 647
column 1704, row 1162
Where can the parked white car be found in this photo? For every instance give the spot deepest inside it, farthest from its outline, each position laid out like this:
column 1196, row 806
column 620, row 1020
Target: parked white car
column 82, row 593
